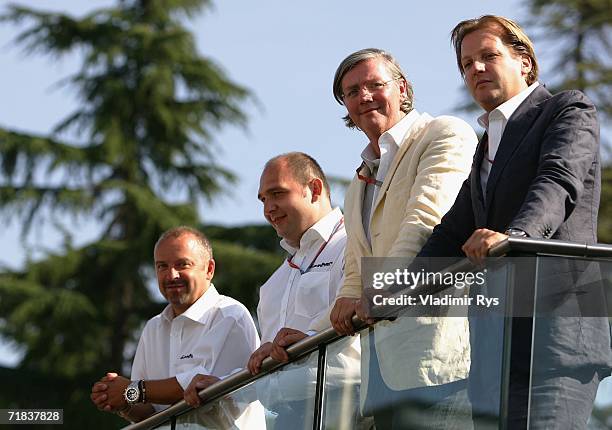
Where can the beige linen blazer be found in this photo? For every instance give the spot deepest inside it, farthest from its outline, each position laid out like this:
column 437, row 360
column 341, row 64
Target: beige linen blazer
column 422, row 183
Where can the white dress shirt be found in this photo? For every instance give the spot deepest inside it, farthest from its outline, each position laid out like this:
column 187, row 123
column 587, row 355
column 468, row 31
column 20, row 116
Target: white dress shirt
column 495, row 124
column 389, row 143
column 293, row 299
column 300, row 301
column 214, row 336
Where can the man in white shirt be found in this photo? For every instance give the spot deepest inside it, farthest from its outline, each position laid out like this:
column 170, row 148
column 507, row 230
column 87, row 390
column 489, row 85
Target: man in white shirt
column 296, row 202
column 295, row 301
column 199, row 332
column 413, row 166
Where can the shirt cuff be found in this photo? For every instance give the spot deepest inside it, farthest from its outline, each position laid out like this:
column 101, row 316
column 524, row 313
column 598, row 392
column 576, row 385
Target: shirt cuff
column 185, row 378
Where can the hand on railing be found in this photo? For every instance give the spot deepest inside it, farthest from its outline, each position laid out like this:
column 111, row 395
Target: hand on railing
column 342, row 313
column 284, row 338
column 260, row 354
column 476, row 248
column 198, row 383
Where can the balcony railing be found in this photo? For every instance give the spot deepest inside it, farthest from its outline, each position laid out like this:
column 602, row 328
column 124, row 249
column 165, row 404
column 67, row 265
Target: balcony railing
column 320, row 387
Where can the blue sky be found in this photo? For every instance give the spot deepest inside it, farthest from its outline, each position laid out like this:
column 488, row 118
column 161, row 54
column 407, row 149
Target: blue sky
column 286, row 53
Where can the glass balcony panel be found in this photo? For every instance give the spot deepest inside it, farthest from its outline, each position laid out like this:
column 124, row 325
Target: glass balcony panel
column 570, row 343
column 489, row 343
column 341, row 409
column 407, row 384
column 278, row 401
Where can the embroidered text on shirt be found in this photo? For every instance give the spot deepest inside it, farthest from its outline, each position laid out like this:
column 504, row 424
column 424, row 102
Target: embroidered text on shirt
column 323, row 264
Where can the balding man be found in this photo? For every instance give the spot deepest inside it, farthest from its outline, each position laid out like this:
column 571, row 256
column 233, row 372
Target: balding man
column 296, row 300
column 199, row 332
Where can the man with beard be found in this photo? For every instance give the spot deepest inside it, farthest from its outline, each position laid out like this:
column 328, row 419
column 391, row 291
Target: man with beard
column 199, row 332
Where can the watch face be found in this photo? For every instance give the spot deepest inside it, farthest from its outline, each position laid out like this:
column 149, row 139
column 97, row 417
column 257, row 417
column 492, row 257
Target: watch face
column 132, row 394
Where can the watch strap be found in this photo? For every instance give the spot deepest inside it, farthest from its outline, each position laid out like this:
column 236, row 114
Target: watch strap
column 143, row 391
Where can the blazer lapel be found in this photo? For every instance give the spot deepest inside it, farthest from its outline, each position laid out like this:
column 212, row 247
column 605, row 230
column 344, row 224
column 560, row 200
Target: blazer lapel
column 516, row 129
column 475, row 183
column 413, row 133
column 357, row 209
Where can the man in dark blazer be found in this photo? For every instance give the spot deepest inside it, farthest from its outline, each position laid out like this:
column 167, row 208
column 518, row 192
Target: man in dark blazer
column 536, row 173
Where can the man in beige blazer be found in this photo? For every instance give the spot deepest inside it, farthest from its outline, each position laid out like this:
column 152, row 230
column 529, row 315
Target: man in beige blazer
column 413, row 167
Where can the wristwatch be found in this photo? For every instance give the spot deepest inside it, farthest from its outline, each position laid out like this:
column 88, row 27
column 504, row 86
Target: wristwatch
column 133, row 393
column 515, row 232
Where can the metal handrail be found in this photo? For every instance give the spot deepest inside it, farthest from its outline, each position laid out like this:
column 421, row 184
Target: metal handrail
column 551, row 247
column 239, row 379
column 312, row 343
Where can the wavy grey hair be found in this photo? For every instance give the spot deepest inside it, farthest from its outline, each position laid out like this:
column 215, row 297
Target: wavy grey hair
column 360, row 56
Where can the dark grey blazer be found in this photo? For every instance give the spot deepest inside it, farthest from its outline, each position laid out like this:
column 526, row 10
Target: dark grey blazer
column 545, row 180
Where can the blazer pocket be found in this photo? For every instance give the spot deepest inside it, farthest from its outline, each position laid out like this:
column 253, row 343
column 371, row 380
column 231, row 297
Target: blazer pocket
column 312, row 296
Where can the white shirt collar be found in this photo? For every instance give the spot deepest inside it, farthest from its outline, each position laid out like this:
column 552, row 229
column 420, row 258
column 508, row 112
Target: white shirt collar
column 507, row 108
column 321, row 230
column 395, row 135
column 197, row 311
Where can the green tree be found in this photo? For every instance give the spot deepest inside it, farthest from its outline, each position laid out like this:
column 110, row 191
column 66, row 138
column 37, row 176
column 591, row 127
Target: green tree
column 136, row 156
column 577, row 32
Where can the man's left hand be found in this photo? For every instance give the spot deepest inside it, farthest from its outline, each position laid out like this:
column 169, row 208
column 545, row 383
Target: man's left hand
column 198, row 383
column 115, row 387
column 477, row 247
column 286, row 336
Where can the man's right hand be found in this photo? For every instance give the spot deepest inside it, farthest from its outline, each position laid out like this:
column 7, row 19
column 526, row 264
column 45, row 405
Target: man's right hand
column 258, row 357
column 99, row 396
column 341, row 315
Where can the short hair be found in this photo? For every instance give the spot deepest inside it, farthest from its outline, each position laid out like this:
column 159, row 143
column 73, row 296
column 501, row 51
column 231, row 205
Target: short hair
column 303, row 168
column 510, row 33
column 179, row 231
column 368, row 54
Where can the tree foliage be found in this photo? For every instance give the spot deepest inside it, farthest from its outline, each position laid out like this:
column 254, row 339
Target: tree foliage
column 135, row 155
column 578, row 31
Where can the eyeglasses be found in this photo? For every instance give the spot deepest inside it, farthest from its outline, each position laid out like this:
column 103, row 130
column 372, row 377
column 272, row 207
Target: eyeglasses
column 372, row 87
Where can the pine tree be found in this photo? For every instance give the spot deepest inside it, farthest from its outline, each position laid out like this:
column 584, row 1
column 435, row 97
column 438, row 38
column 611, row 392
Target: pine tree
column 139, row 160
column 577, row 32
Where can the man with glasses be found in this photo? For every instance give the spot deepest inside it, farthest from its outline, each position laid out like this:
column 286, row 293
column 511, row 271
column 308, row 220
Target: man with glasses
column 413, row 166
column 296, row 201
